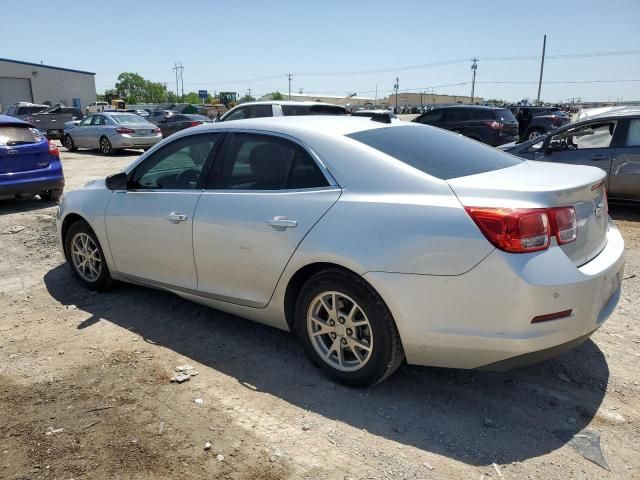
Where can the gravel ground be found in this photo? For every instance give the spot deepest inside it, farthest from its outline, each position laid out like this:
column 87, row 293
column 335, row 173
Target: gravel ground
column 98, row 367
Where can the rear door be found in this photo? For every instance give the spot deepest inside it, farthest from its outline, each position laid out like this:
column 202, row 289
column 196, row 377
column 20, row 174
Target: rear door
column 80, row 132
column 624, row 182
column 265, row 193
column 22, row 149
column 589, row 144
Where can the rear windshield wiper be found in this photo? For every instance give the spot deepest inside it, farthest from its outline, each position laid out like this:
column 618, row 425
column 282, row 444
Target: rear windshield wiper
column 13, row 143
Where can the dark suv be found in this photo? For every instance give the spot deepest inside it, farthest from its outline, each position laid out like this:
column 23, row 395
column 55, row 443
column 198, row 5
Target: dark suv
column 535, row 121
column 493, row 126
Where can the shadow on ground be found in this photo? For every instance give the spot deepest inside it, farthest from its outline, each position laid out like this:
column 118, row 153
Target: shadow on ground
column 473, row 417
column 27, row 203
column 631, row 213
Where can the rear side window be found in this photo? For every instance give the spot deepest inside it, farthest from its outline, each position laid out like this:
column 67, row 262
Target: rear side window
column 481, row 114
column 505, row 116
column 457, row 115
column 292, row 110
column 11, row 135
column 435, row 152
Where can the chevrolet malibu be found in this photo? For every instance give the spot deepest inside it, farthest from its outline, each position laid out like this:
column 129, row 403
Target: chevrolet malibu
column 375, row 243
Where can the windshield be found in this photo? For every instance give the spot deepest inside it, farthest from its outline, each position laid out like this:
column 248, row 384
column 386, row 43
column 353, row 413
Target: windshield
column 128, row 119
column 15, row 135
column 434, row 151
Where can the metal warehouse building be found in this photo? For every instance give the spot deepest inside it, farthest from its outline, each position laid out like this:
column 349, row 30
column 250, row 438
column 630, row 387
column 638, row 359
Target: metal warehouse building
column 37, row 83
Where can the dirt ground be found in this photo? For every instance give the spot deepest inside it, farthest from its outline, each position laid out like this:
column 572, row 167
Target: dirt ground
column 98, row 367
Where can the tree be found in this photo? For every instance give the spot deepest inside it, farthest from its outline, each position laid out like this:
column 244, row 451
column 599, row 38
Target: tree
column 276, row 95
column 171, row 97
column 154, row 92
column 247, row 98
column 131, row 87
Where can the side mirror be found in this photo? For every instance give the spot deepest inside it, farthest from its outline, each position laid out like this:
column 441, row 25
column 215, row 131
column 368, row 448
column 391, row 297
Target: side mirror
column 117, row 181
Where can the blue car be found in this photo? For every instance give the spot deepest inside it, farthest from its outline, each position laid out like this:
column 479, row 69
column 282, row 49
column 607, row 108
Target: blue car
column 29, row 163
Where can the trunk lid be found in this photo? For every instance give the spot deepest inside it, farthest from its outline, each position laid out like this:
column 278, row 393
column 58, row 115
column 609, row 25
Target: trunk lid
column 22, row 149
column 538, row 185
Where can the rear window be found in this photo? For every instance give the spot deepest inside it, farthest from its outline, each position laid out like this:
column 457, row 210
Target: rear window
column 128, row 119
column 505, row 116
column 312, row 110
column 11, row 135
column 434, row 151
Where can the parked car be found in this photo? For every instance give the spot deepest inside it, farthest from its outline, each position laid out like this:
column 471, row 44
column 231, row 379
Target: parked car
column 52, row 120
column 29, row 163
column 157, row 115
column 373, row 241
column 491, row 125
column 138, row 111
column 112, row 131
column 534, row 121
column 372, row 113
column 97, row 107
column 22, row 110
column 281, row 108
column 178, row 122
column 610, row 142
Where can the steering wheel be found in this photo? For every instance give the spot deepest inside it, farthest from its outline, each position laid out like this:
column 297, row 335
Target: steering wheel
column 188, row 178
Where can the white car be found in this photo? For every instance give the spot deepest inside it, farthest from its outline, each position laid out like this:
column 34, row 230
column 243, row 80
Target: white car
column 374, row 242
column 281, row 108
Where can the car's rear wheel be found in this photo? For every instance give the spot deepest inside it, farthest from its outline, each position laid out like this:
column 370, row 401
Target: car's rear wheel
column 86, row 258
column 51, row 195
column 346, row 328
column 533, row 133
column 68, row 143
column 105, row 146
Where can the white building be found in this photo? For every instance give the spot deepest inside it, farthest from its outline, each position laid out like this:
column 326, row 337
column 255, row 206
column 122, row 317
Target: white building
column 37, row 83
column 355, row 101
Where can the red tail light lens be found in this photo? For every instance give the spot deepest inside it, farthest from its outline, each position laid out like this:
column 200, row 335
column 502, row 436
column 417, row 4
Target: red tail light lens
column 195, row 124
column 566, row 226
column 53, row 149
column 556, row 120
column 125, row 130
column 156, row 130
column 494, row 125
column 513, row 230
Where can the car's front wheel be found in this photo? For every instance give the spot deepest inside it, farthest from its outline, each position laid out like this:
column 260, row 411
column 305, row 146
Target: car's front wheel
column 86, row 258
column 68, row 143
column 346, row 328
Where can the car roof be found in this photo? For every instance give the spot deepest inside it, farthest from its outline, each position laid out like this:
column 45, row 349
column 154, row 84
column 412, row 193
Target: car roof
column 287, row 102
column 7, row 120
column 478, row 107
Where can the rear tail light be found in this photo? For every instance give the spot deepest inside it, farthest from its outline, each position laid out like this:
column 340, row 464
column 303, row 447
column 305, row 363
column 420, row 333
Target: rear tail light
column 194, row 123
column 53, row 149
column 556, row 120
column 521, row 230
column 156, row 130
column 566, row 226
column 125, row 130
column 494, row 125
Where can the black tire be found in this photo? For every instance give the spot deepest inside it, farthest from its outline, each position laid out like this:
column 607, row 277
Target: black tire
column 51, row 195
column 68, row 143
column 534, row 132
column 105, row 146
column 386, row 354
column 103, row 282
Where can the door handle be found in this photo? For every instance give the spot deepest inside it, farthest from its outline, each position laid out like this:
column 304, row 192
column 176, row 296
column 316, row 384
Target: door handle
column 176, row 217
column 281, row 223
column 599, row 157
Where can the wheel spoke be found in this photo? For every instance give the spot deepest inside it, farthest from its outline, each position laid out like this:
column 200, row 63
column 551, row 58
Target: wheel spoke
column 354, row 342
column 323, row 328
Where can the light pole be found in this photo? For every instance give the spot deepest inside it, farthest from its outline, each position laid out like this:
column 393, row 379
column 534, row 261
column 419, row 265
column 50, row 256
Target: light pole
column 396, row 86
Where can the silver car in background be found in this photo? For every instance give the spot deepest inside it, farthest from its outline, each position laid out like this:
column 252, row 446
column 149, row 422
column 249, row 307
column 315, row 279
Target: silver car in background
column 374, row 242
column 111, row 131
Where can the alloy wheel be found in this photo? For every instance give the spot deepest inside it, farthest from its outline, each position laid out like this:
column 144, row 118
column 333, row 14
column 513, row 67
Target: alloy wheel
column 105, row 146
column 86, row 258
column 339, row 331
column 68, row 142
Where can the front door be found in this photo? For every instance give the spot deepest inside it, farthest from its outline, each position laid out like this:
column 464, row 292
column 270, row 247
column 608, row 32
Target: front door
column 264, row 195
column 625, row 167
column 149, row 226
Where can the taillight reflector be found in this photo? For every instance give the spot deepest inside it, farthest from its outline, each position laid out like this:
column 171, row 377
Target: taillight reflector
column 551, row 316
column 53, row 149
column 195, row 124
column 524, row 230
column 494, row 125
column 125, row 130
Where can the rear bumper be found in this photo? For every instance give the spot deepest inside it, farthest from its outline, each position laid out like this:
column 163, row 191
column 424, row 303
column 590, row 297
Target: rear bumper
column 32, row 186
column 122, row 141
column 484, row 316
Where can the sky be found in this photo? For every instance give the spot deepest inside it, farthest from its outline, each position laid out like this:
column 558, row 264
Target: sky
column 341, row 47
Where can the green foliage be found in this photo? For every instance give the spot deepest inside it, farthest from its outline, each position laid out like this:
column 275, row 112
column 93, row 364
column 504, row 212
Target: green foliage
column 133, row 88
column 276, row 95
column 247, row 98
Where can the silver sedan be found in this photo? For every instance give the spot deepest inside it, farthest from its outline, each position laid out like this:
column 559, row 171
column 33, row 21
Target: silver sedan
column 111, row 131
column 374, row 242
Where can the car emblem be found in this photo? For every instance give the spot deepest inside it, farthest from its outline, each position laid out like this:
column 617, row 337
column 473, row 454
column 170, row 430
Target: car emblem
column 598, row 209
column 12, row 152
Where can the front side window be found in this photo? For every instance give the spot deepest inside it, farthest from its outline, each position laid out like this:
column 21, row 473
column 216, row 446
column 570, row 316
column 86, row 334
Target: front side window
column 263, row 162
column 434, row 116
column 238, row 114
column 177, row 165
column 593, row 135
column 86, row 121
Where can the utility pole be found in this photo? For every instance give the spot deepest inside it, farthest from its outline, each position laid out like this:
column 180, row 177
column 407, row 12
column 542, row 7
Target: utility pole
column 179, row 80
column 544, row 47
column 165, row 91
column 289, row 75
column 474, row 67
column 376, row 100
column 421, row 102
column 396, row 87
column 249, row 90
